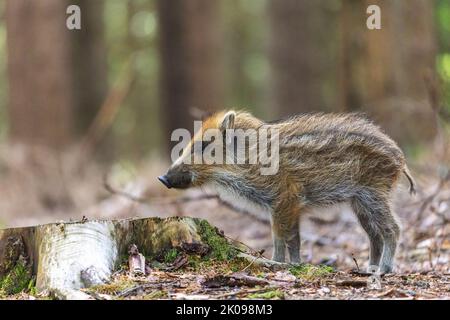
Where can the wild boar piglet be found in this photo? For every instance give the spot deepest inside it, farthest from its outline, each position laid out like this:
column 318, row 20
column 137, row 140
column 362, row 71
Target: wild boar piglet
column 315, row 161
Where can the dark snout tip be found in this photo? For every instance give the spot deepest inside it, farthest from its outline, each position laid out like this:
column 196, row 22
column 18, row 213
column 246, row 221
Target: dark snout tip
column 165, row 181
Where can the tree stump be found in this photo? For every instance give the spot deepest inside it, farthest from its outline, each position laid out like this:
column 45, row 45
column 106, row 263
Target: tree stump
column 65, row 257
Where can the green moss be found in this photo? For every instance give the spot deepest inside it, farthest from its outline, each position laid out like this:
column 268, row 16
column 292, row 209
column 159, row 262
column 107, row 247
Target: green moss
column 220, row 248
column 18, row 279
column 272, row 294
column 32, row 287
column 237, row 264
column 194, row 262
column 171, row 255
column 309, row 271
column 222, row 256
column 157, row 294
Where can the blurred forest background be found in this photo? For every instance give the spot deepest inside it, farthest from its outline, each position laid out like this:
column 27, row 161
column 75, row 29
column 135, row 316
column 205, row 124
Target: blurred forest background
column 77, row 106
column 153, row 63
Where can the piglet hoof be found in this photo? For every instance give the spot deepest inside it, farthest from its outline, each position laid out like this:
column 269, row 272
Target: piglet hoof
column 372, row 269
column 385, row 269
column 267, row 263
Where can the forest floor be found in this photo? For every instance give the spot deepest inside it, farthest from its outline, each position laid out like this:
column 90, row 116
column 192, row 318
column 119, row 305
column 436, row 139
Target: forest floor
column 311, row 282
column 334, row 248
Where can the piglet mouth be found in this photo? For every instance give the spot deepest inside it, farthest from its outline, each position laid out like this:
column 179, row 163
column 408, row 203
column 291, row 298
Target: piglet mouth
column 165, row 181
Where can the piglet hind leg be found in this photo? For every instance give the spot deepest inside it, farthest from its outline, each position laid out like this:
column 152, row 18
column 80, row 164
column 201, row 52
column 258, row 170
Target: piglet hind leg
column 391, row 233
column 375, row 216
column 293, row 244
column 364, row 214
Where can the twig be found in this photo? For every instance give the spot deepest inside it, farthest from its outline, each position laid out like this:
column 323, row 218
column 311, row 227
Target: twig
column 430, row 258
column 160, row 201
column 124, row 194
column 428, row 200
column 253, row 261
column 234, row 280
column 356, row 262
column 241, row 292
column 129, row 291
column 254, row 251
column 178, row 200
column 108, row 110
column 267, row 263
column 351, row 283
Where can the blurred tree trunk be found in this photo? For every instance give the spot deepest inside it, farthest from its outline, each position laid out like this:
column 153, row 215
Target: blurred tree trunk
column 384, row 72
column 352, row 48
column 190, row 71
column 89, row 61
column 246, row 56
column 39, row 71
column 300, row 50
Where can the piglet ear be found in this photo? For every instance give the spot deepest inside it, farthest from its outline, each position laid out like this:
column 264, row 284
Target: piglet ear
column 228, row 121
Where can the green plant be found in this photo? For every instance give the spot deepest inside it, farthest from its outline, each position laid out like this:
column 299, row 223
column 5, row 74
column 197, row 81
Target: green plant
column 272, row 294
column 220, row 249
column 309, row 271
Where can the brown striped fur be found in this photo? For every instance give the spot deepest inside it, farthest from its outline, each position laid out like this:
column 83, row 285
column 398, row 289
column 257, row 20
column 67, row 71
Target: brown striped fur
column 325, row 159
